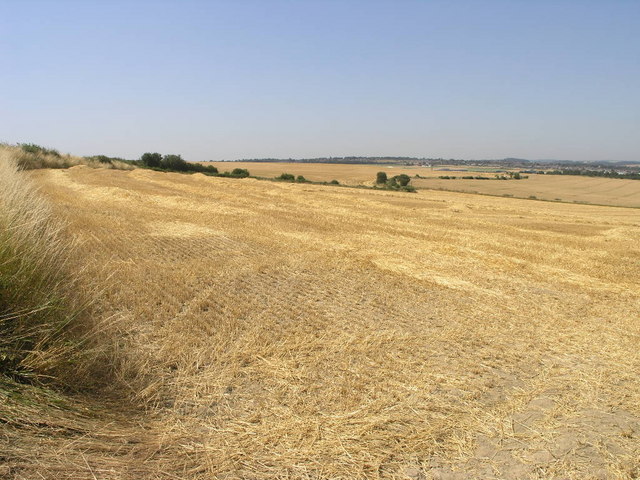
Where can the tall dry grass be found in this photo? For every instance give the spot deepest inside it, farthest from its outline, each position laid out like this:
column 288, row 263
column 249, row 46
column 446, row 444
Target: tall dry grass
column 40, row 302
column 55, row 356
column 45, row 324
column 33, row 157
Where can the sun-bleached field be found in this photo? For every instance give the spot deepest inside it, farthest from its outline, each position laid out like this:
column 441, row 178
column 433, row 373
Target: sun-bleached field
column 323, row 172
column 565, row 188
column 277, row 330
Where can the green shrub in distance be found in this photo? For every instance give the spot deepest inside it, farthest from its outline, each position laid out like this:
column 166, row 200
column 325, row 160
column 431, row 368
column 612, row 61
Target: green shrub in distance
column 239, row 173
column 334, row 182
column 286, row 177
column 210, row 169
column 381, row 178
column 403, row 179
column 174, row 162
column 151, row 160
column 301, row 179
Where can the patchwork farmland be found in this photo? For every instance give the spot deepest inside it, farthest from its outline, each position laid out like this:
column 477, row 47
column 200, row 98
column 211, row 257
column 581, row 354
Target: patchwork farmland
column 558, row 188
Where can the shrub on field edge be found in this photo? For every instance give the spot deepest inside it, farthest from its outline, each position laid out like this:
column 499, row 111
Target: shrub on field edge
column 381, row 178
column 239, row 172
column 286, row 177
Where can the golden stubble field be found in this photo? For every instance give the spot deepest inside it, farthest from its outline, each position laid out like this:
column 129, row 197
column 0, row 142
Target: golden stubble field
column 278, row 330
column 348, row 174
column 564, row 188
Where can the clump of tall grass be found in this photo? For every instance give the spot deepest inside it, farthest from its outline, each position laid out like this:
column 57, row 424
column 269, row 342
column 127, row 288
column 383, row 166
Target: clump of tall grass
column 39, row 301
column 29, row 156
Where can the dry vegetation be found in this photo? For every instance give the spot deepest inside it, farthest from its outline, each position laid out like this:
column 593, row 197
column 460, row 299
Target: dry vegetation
column 267, row 330
column 566, row 188
column 31, row 157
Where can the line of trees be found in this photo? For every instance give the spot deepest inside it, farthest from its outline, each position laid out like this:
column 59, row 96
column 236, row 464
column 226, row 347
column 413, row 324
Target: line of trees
column 174, row 163
column 509, row 176
column 596, row 173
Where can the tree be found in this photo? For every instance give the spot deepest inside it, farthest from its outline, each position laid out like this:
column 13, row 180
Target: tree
column 381, row 178
column 287, row 177
column 174, row 162
column 403, row 179
column 240, row 172
column 152, row 160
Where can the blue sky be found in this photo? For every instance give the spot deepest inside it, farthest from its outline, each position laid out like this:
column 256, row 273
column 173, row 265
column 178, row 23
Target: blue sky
column 246, row 79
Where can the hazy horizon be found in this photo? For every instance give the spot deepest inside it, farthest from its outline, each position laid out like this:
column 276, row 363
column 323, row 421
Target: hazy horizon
column 240, row 80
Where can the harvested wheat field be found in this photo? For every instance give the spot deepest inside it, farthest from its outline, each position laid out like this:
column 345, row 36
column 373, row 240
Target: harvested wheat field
column 269, row 330
column 348, row 174
column 558, row 188
column 562, row 188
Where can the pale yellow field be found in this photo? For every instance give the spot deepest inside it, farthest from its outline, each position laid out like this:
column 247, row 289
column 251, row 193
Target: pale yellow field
column 598, row 191
column 324, row 172
column 566, row 188
column 297, row 331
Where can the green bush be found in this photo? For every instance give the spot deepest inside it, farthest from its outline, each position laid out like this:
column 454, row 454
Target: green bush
column 286, row 177
column 381, row 178
column 210, row 169
column 334, row 182
column 174, row 162
column 403, row 179
column 301, row 179
column 239, row 172
column 151, row 160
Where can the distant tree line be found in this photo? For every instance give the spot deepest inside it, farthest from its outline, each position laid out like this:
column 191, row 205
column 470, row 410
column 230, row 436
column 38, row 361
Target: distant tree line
column 508, row 176
column 175, row 163
column 596, row 173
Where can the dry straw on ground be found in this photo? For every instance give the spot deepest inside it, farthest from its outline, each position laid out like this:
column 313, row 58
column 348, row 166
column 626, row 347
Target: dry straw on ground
column 275, row 330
